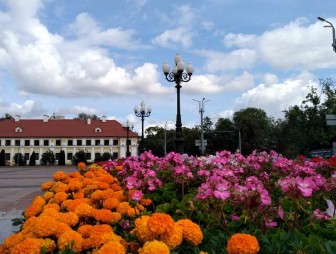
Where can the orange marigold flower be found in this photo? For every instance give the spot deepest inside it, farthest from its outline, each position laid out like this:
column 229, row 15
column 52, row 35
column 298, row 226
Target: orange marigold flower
column 123, row 207
column 100, row 234
column 59, row 176
column 60, row 197
column 84, row 230
column 140, row 208
column 83, row 210
column 48, row 245
column 70, row 239
column 145, row 201
column 112, row 247
column 160, row 223
column 141, row 230
column 242, row 243
column 69, row 218
column 44, row 226
column 78, row 195
column 115, row 187
column 81, row 166
column 32, row 210
column 14, row 239
column 51, row 206
column 28, row 246
column 111, row 203
column 28, row 224
column 75, row 185
column 60, row 187
column 61, row 228
column 50, row 212
column 97, row 196
column 48, row 195
column 75, row 175
column 119, row 167
column 47, row 186
column 103, row 215
column 101, row 185
column 109, row 193
column 191, row 231
column 89, row 174
column 174, row 238
column 39, row 201
column 71, row 204
column 155, row 246
column 132, row 212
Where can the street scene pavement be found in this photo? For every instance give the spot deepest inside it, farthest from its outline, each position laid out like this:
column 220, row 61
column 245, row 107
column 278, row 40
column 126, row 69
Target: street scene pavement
column 18, row 187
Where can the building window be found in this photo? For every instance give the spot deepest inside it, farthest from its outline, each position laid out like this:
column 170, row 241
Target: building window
column 79, row 142
column 97, row 156
column 106, row 142
column 27, row 142
column 115, row 142
column 70, row 142
column 58, row 142
column 17, row 142
column 115, row 156
column 129, row 142
column 7, row 142
column 0, row 142
column 26, row 156
column 97, row 142
column 37, row 156
column 36, row 142
column 88, row 156
column 97, row 129
column 88, row 142
column 69, row 156
column 7, row 156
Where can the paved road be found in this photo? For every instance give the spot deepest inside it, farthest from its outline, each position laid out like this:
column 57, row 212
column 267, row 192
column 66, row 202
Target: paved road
column 18, row 187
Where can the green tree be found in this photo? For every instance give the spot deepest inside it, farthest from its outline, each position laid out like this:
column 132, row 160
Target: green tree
column 106, row 156
column 222, row 137
column 98, row 157
column 48, row 158
column 87, row 116
column 32, row 161
column 61, row 159
column 2, row 158
column 19, row 159
column 255, row 127
column 80, row 156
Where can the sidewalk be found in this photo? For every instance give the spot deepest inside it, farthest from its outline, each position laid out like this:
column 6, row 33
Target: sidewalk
column 18, row 187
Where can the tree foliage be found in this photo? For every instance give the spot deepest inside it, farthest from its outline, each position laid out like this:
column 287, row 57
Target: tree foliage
column 61, row 159
column 2, row 158
column 32, row 160
column 48, row 158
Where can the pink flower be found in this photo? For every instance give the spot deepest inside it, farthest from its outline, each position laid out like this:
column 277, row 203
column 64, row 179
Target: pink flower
column 137, row 195
column 222, row 191
column 281, row 212
column 305, row 186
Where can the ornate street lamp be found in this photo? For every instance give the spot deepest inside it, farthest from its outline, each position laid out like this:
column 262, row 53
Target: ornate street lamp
column 142, row 113
column 201, row 111
column 128, row 126
column 178, row 74
column 333, row 32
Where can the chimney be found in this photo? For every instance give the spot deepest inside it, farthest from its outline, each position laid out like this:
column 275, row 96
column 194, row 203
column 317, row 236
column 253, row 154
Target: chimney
column 89, row 121
column 45, row 118
column 17, row 118
column 104, row 119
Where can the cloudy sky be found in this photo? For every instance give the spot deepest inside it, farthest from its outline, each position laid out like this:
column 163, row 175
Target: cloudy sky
column 104, row 57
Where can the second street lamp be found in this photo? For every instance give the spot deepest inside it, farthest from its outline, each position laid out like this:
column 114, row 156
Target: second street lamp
column 128, row 126
column 142, row 113
column 178, row 74
column 333, row 32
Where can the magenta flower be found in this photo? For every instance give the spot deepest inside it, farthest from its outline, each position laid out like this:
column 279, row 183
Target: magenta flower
column 305, row 186
column 222, row 191
column 137, row 195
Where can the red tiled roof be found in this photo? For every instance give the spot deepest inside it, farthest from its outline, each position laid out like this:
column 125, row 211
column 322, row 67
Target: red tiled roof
column 58, row 128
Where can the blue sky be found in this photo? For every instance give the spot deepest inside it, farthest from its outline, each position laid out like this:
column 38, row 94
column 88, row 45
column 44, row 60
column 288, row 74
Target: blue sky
column 104, row 57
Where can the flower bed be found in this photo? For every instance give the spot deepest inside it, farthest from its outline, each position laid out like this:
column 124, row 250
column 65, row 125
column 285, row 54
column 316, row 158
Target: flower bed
column 225, row 203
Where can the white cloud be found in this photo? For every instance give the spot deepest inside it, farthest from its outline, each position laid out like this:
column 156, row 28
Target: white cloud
column 295, row 46
column 211, row 84
column 274, row 98
column 75, row 110
column 28, row 109
column 171, row 38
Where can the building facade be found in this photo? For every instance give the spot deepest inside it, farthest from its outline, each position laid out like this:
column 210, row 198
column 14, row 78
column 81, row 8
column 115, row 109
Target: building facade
column 95, row 137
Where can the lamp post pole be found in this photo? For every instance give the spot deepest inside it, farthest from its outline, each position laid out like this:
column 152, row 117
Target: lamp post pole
column 201, row 111
column 128, row 127
column 142, row 113
column 333, row 32
column 178, row 74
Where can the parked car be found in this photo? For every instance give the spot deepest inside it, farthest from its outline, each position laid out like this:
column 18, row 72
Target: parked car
column 322, row 153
